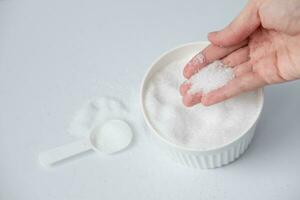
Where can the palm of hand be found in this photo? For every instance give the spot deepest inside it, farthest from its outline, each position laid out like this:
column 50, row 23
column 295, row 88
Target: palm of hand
column 272, row 55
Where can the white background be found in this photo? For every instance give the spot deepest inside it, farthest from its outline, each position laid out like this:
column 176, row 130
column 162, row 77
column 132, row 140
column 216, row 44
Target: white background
column 55, row 55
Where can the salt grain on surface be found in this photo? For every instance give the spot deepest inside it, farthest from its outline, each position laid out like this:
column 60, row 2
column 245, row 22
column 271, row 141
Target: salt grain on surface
column 96, row 112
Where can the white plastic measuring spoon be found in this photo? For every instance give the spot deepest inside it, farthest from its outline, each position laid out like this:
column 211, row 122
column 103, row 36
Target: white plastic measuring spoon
column 111, row 137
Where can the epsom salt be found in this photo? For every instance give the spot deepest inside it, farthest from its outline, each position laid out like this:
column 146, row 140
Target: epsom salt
column 212, row 77
column 198, row 127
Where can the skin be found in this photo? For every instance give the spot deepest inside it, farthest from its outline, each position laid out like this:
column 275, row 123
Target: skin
column 262, row 45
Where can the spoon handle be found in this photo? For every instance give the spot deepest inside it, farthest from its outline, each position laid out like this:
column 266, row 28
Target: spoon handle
column 63, row 152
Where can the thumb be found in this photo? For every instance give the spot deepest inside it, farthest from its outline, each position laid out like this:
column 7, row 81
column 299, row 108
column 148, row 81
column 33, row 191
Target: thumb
column 240, row 28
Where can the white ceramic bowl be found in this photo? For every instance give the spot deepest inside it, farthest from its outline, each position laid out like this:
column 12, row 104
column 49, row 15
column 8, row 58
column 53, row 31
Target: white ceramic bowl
column 194, row 158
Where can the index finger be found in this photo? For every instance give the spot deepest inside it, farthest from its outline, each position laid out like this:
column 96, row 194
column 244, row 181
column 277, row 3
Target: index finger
column 209, row 54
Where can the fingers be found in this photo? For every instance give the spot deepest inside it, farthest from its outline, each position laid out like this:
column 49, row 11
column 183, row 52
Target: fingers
column 244, row 83
column 184, row 88
column 192, row 99
column 239, row 29
column 208, row 55
column 237, row 57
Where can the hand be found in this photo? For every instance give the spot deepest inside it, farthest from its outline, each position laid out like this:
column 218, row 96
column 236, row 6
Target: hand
column 262, row 45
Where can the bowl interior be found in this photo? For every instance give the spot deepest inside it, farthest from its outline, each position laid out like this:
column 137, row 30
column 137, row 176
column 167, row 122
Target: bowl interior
column 165, row 59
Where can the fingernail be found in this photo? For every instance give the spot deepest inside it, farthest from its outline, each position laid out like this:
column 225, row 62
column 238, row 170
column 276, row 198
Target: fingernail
column 184, row 88
column 198, row 59
column 188, row 70
column 212, row 33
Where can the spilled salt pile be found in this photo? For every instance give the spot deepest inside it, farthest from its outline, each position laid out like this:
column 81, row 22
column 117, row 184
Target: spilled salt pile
column 198, row 127
column 97, row 112
column 212, row 77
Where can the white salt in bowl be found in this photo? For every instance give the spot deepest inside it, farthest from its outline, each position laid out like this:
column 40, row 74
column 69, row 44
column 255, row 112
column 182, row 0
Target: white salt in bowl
column 205, row 159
